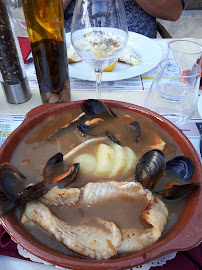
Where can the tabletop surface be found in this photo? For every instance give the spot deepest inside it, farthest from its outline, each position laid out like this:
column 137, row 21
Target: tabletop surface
column 136, row 97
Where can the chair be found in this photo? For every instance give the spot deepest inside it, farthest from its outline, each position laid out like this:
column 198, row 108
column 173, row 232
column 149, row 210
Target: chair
column 192, row 5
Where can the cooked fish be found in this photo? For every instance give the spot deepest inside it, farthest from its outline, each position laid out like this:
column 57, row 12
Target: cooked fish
column 97, row 241
column 58, row 196
column 72, row 55
column 156, row 214
column 129, row 56
column 105, row 239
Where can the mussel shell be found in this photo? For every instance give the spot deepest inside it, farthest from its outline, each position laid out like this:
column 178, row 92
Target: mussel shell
column 177, row 191
column 32, row 192
column 67, row 177
column 94, row 106
column 54, row 160
column 6, row 205
column 149, row 168
column 136, row 129
column 181, row 166
column 83, row 130
column 113, row 138
column 10, row 178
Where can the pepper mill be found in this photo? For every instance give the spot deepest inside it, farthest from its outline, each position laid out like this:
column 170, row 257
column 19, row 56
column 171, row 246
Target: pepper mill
column 13, row 76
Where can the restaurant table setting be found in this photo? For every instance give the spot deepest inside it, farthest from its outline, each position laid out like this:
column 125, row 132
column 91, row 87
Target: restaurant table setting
column 133, row 84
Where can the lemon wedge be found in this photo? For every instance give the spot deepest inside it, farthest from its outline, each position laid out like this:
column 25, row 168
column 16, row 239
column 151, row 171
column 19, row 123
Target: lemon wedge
column 110, row 67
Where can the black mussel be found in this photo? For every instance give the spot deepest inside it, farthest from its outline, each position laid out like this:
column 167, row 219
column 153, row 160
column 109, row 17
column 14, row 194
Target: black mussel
column 68, row 176
column 181, row 166
column 177, row 191
column 136, row 128
column 90, row 107
column 10, row 179
column 82, row 130
column 113, row 138
column 32, row 192
column 94, row 106
column 13, row 190
column 48, row 169
column 149, row 168
column 6, row 204
column 64, row 129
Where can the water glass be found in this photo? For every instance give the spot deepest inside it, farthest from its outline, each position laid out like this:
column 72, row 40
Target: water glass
column 189, row 51
column 174, row 91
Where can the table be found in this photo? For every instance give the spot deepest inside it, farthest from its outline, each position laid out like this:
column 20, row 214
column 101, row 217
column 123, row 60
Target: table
column 136, row 97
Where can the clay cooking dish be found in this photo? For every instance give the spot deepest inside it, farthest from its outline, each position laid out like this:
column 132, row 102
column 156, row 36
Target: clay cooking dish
column 184, row 235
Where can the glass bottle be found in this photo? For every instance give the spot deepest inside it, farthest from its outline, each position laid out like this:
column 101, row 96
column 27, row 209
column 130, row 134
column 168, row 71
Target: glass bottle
column 12, row 76
column 45, row 25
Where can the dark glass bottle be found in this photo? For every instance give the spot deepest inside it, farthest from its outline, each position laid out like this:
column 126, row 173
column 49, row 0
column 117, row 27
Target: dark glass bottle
column 45, row 25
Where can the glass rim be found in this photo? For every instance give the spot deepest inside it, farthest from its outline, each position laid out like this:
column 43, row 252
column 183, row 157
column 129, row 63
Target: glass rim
column 185, row 40
column 182, row 76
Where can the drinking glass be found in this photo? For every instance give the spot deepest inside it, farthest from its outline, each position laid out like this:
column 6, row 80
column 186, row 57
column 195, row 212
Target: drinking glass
column 99, row 33
column 174, row 91
column 189, row 51
column 17, row 13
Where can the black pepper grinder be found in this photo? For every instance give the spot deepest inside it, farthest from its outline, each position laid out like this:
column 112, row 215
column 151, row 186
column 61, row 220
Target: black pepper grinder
column 13, row 76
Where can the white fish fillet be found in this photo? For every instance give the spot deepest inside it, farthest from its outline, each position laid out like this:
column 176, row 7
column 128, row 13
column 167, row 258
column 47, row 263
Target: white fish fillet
column 58, row 196
column 94, row 192
column 96, row 242
column 155, row 213
column 129, row 56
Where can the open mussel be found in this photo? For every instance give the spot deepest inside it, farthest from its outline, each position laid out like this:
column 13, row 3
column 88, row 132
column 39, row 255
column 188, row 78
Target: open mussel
column 94, row 107
column 150, row 168
column 13, row 190
column 112, row 138
column 11, row 179
column 65, row 178
column 181, row 167
column 68, row 176
column 90, row 107
column 51, row 163
column 177, row 191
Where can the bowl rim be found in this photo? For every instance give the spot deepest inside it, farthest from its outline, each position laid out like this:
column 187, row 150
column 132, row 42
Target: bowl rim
column 173, row 241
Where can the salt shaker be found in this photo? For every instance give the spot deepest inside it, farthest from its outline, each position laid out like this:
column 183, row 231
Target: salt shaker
column 45, row 25
column 12, row 72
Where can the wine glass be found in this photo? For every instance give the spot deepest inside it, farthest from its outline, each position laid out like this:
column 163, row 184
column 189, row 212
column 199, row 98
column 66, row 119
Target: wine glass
column 174, row 91
column 99, row 33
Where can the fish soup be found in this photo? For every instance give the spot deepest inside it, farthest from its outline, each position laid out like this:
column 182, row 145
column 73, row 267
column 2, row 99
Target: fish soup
column 32, row 154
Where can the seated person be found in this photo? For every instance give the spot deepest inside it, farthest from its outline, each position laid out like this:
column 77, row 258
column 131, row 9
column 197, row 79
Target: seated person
column 141, row 14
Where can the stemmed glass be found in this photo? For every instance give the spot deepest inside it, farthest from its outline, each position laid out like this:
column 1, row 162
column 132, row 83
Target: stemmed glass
column 99, row 33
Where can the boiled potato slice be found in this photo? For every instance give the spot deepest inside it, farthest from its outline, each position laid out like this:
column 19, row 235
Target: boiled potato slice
column 119, row 159
column 131, row 159
column 105, row 155
column 87, row 163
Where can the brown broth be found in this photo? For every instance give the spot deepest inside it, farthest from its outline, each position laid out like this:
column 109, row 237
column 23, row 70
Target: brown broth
column 35, row 149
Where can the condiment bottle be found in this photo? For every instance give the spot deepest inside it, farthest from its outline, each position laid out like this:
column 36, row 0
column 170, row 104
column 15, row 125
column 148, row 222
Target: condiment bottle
column 45, row 25
column 13, row 76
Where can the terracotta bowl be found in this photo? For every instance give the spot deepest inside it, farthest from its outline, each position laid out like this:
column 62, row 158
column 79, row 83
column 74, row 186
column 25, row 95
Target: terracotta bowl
column 184, row 235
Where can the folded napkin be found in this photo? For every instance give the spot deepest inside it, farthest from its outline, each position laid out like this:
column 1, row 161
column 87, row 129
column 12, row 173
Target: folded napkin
column 25, row 47
column 186, row 260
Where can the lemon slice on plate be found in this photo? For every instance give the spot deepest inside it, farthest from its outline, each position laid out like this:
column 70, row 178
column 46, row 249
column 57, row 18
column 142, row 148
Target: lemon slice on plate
column 110, row 67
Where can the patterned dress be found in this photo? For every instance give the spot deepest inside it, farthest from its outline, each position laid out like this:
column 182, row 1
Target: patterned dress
column 138, row 20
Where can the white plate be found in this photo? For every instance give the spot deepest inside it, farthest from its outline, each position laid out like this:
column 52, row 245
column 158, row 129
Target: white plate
column 200, row 105
column 146, row 48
